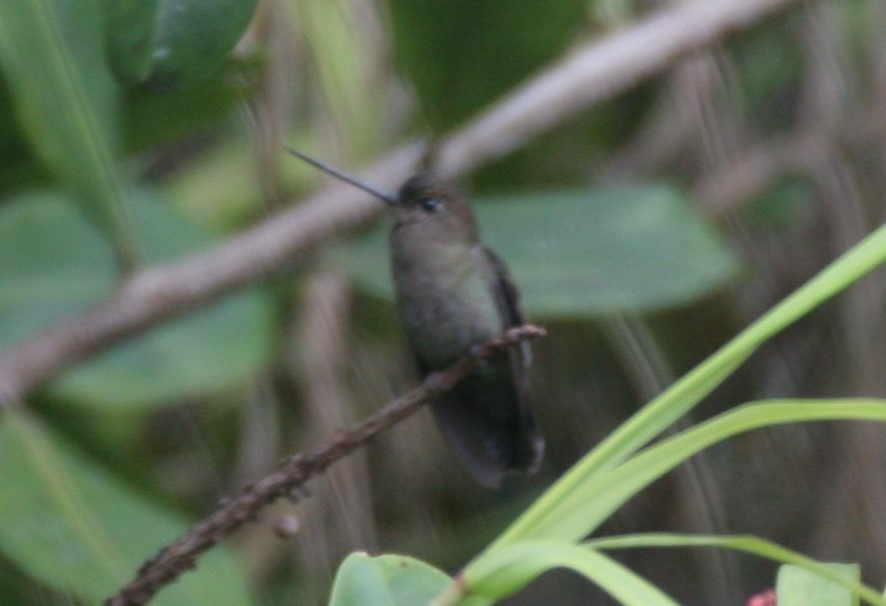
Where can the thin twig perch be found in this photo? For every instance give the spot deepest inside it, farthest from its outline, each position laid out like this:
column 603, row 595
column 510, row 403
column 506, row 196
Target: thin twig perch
column 294, row 471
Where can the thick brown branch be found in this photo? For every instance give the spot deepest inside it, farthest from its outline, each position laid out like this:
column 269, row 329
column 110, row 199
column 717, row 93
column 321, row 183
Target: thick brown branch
column 294, row 471
column 596, row 71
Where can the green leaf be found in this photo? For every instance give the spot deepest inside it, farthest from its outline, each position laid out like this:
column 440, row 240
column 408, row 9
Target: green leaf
column 567, row 514
column 386, row 580
column 172, row 44
column 588, row 252
column 19, row 164
column 845, row 578
column 52, row 53
column 679, row 398
column 152, row 118
column 76, row 528
column 55, row 264
column 572, row 509
column 508, row 570
column 798, row 586
column 214, row 348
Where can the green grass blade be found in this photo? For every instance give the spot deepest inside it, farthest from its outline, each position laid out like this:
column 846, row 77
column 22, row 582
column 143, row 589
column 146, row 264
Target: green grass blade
column 698, row 383
column 512, row 568
column 746, row 544
column 586, row 507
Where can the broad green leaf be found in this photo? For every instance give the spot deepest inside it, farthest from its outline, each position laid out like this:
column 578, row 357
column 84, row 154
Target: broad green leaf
column 76, row 528
column 52, row 54
column 208, row 350
column 172, row 44
column 386, row 580
column 588, row 252
column 55, row 264
column 798, row 586
column 508, row 570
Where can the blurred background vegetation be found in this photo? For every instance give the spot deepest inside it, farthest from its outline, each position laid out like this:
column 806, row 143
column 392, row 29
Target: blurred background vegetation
column 643, row 233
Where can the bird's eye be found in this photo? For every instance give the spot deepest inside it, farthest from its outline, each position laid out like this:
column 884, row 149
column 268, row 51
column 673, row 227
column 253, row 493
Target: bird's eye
column 429, row 204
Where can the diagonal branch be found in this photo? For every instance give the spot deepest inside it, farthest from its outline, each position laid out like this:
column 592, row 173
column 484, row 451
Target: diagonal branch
column 294, row 471
column 593, row 72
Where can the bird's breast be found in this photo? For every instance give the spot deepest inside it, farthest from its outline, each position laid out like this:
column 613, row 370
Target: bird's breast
column 445, row 300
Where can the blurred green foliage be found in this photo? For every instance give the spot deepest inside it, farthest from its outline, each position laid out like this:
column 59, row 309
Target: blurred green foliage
column 129, row 134
column 461, row 56
column 169, row 45
column 83, row 531
column 71, row 214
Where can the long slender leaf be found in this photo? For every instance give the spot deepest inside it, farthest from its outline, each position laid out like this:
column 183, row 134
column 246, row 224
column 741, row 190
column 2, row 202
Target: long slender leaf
column 584, row 508
column 513, row 567
column 53, row 56
column 689, row 390
column 747, row 544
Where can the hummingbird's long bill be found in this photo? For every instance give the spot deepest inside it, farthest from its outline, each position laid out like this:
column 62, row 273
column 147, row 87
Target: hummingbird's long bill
column 385, row 196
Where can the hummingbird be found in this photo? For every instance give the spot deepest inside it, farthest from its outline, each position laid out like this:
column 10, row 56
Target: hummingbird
column 453, row 293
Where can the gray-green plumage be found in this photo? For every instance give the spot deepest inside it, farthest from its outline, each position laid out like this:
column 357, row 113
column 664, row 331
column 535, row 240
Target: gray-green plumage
column 453, row 293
